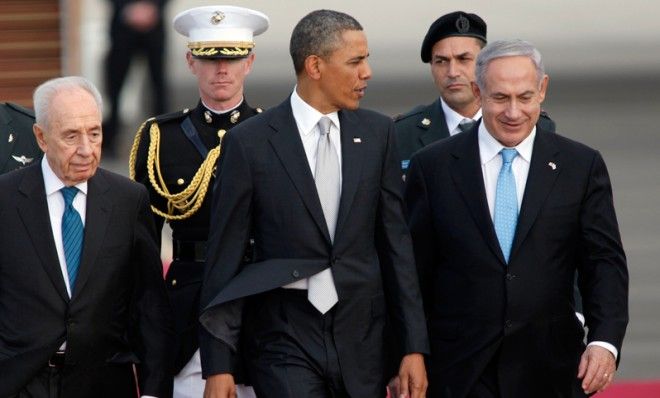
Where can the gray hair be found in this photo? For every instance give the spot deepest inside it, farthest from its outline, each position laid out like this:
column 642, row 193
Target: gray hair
column 44, row 94
column 319, row 33
column 507, row 48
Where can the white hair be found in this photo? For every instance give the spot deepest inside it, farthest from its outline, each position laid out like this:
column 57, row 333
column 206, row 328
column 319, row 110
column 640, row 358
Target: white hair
column 44, row 94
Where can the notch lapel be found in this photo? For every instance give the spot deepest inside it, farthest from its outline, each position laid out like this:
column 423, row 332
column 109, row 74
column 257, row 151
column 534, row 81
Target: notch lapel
column 468, row 177
column 96, row 223
column 36, row 218
column 351, row 167
column 289, row 149
column 540, row 181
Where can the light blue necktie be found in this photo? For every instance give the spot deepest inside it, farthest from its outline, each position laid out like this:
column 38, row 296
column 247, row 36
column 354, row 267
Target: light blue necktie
column 506, row 203
column 72, row 234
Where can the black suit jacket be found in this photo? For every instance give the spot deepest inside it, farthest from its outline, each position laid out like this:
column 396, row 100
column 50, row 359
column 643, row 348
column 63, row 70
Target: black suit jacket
column 18, row 147
column 477, row 304
column 118, row 312
column 426, row 124
column 265, row 183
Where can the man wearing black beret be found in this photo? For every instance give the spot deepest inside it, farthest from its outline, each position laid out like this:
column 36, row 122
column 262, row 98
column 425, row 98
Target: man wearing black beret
column 451, row 46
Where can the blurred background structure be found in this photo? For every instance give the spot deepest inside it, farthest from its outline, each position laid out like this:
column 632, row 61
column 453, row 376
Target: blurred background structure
column 603, row 58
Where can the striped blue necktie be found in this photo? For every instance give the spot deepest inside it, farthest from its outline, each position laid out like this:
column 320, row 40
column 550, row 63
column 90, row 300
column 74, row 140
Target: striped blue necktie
column 506, row 203
column 72, row 234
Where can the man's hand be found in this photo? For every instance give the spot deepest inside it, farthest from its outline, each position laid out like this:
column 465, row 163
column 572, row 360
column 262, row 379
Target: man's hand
column 597, row 367
column 220, row 386
column 412, row 381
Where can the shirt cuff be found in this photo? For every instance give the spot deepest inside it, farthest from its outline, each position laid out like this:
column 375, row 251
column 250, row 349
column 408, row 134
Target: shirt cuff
column 609, row 347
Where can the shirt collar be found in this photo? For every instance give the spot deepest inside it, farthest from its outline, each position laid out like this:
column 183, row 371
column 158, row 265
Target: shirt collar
column 453, row 118
column 52, row 182
column 218, row 112
column 306, row 116
column 489, row 147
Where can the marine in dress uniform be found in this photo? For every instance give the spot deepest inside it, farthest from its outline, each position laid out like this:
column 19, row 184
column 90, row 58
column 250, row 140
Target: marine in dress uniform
column 18, row 147
column 175, row 155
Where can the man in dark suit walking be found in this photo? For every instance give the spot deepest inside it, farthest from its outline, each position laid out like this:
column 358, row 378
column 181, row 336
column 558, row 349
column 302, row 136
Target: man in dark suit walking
column 18, row 147
column 81, row 296
column 502, row 216
column 318, row 182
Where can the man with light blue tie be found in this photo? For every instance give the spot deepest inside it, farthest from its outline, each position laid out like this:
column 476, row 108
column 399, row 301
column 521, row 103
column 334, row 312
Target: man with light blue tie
column 501, row 218
column 83, row 308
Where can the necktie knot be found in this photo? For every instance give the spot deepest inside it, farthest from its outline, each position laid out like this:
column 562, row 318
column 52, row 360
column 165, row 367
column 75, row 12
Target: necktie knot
column 324, row 125
column 69, row 193
column 466, row 124
column 508, row 154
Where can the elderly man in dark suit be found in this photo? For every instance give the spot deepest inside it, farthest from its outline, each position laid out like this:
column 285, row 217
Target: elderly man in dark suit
column 317, row 181
column 18, row 147
column 82, row 302
column 501, row 217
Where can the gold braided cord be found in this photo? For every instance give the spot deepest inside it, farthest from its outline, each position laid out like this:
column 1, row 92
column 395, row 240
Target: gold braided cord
column 187, row 202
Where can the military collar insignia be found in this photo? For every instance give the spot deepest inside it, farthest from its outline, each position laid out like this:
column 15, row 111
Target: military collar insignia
column 207, row 117
column 235, row 114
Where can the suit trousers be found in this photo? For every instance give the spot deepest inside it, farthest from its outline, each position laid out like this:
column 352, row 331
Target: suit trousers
column 290, row 347
column 110, row 381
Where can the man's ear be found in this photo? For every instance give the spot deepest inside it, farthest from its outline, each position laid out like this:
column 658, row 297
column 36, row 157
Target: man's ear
column 39, row 135
column 475, row 90
column 313, row 66
column 189, row 61
column 543, row 88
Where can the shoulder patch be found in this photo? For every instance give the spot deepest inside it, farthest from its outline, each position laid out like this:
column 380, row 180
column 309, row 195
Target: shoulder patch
column 415, row 111
column 21, row 109
column 178, row 115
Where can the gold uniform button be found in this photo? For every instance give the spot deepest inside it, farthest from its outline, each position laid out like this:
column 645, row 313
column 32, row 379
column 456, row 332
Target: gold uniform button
column 180, row 181
column 221, row 132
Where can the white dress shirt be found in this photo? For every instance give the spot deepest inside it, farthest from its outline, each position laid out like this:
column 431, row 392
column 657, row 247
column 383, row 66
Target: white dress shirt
column 491, row 162
column 453, row 118
column 307, row 119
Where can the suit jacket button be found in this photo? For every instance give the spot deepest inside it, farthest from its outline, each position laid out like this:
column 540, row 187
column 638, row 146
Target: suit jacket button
column 508, row 323
column 510, row 277
column 295, row 273
column 173, row 282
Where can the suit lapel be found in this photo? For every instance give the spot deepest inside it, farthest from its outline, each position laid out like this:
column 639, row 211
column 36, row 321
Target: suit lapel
column 468, row 177
column 34, row 213
column 351, row 169
column 96, row 222
column 438, row 127
column 543, row 172
column 289, row 149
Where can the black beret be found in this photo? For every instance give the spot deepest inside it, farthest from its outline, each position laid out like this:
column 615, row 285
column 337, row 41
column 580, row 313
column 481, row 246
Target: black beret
column 457, row 23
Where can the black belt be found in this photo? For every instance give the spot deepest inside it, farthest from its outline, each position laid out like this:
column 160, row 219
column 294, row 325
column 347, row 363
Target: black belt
column 189, row 250
column 56, row 360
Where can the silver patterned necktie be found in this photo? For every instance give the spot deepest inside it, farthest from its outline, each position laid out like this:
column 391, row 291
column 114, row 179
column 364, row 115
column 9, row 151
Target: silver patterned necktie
column 321, row 290
column 466, row 124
